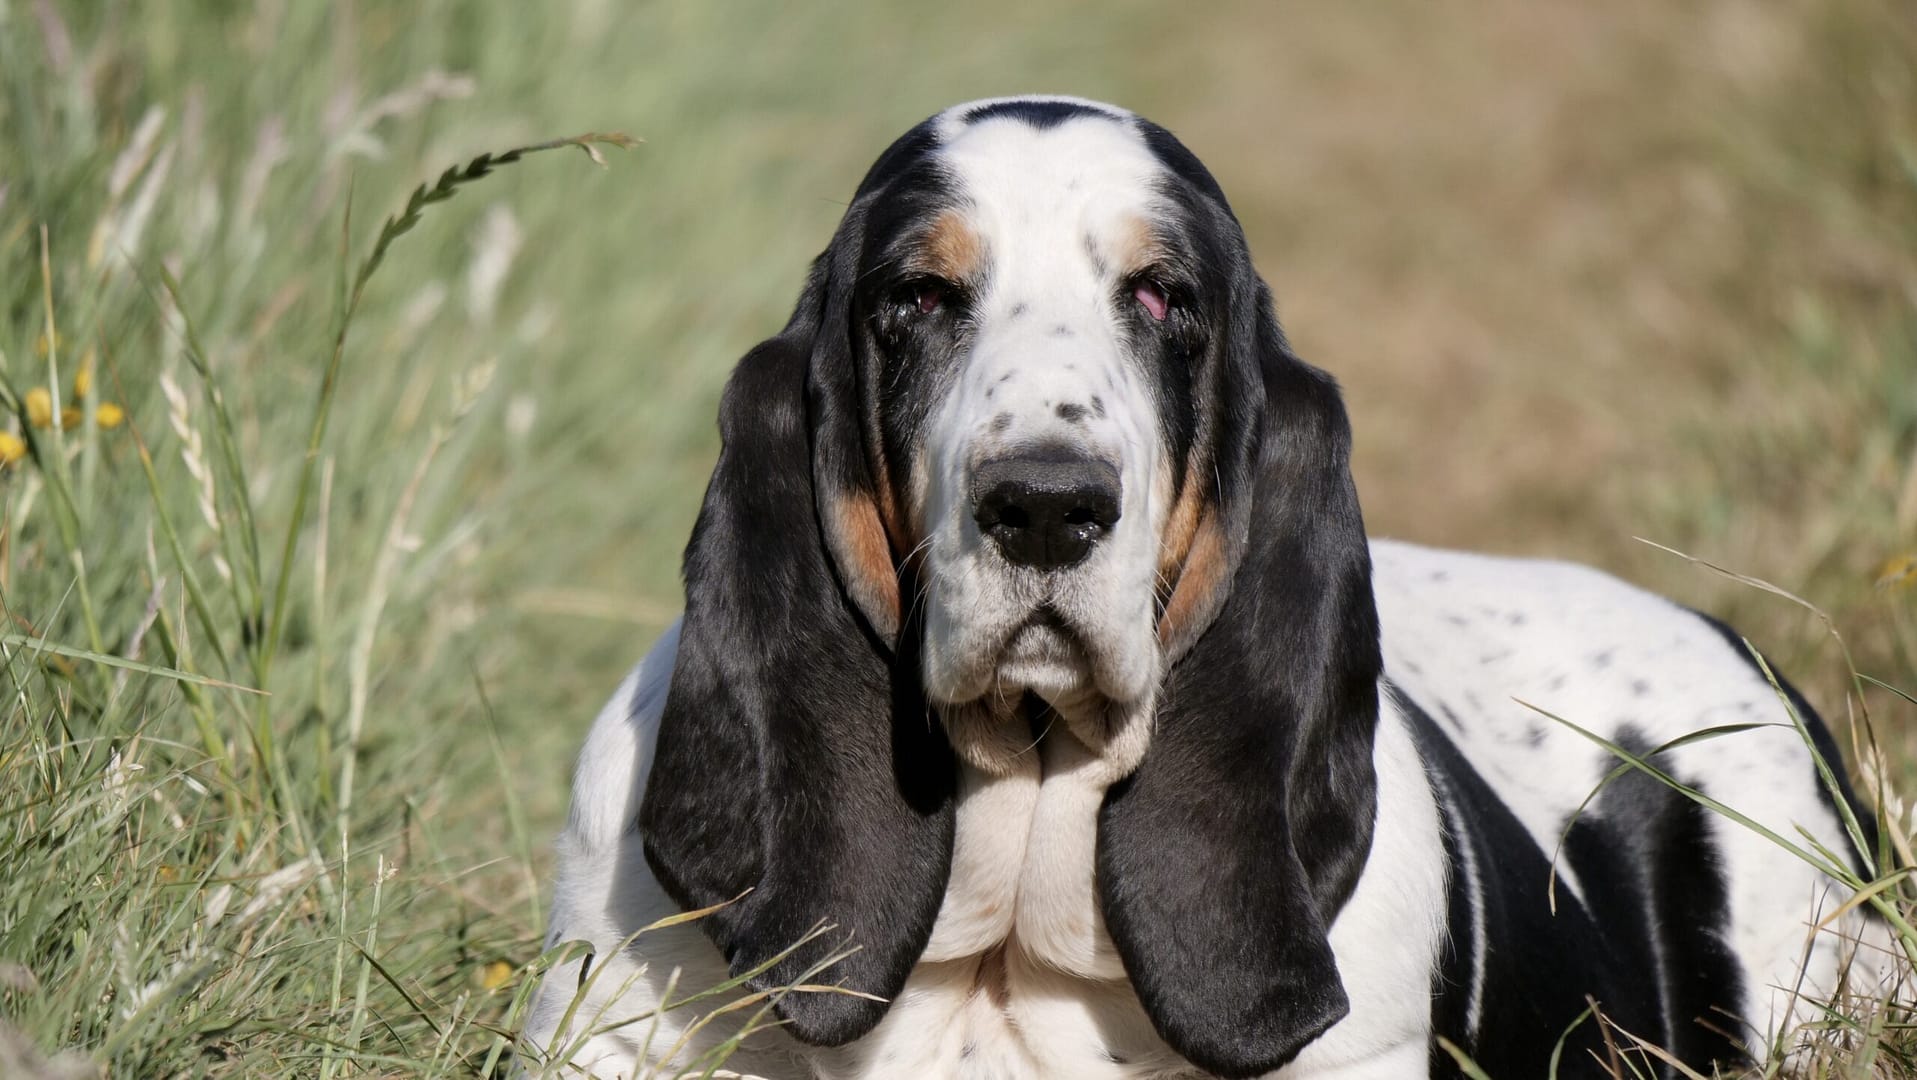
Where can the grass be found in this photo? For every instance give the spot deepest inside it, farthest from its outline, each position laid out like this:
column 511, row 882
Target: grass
column 299, row 645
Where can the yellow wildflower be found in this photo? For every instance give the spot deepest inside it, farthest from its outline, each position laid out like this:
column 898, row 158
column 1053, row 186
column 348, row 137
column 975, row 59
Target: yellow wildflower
column 40, row 404
column 12, row 448
column 1899, row 573
column 495, row 975
column 39, row 407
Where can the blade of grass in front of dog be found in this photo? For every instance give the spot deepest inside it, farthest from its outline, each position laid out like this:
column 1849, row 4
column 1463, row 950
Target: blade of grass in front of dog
column 1825, row 774
column 1469, row 1067
column 1835, row 871
column 1557, row 1051
column 1551, row 887
column 1857, row 678
column 1658, row 1052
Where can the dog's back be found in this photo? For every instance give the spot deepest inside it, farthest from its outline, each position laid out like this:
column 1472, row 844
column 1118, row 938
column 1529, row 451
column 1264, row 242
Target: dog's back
column 1702, row 923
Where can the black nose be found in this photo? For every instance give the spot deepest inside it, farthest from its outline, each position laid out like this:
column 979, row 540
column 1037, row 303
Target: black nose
column 1045, row 507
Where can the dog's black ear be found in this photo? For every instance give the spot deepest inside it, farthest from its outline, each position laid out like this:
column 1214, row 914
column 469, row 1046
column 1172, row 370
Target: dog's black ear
column 795, row 761
column 1224, row 858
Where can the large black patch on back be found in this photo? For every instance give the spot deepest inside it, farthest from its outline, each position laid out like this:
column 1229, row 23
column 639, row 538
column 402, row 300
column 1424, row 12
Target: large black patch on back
column 1645, row 942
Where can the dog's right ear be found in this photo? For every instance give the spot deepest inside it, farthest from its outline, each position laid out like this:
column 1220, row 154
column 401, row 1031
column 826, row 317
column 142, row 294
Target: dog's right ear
column 796, row 762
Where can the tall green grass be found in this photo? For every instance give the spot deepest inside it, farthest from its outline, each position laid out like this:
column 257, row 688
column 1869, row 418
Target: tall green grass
column 296, row 652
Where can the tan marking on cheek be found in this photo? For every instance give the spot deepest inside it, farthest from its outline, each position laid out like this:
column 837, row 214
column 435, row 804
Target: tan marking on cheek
column 896, row 528
column 951, row 249
column 914, row 524
column 870, row 576
column 1200, row 579
column 1180, row 527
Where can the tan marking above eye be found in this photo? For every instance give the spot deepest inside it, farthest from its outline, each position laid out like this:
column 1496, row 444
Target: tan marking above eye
column 950, row 249
column 1137, row 247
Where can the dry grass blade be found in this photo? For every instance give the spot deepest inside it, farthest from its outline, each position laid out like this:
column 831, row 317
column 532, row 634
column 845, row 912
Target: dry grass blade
column 109, row 660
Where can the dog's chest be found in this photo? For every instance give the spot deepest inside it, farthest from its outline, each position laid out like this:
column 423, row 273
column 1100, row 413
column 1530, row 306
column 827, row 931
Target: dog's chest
column 1004, row 1016
column 1020, row 978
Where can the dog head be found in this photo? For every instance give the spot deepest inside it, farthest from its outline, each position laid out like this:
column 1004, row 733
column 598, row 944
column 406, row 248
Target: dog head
column 1031, row 439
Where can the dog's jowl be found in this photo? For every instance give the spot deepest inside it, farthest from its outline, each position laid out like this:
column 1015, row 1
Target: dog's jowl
column 1041, row 708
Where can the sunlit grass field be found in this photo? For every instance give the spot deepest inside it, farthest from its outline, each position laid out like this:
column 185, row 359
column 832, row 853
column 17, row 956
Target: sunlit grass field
column 312, row 580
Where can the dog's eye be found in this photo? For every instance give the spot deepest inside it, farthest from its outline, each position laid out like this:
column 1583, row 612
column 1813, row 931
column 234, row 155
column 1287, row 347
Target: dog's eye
column 1152, row 295
column 925, row 296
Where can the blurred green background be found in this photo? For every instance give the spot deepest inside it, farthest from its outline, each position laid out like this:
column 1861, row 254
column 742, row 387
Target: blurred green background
column 1587, row 272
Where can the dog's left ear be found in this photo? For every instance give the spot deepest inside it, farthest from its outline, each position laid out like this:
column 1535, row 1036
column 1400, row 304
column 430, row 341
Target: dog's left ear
column 1224, row 858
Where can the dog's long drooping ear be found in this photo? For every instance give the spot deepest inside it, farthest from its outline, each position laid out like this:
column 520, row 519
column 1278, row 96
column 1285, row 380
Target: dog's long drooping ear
column 795, row 764
column 1223, row 860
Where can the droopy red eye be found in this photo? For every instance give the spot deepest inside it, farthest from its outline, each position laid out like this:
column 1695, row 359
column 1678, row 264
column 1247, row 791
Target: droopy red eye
column 1152, row 295
column 928, row 296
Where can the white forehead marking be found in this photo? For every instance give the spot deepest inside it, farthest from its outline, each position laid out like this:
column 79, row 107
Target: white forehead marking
column 1039, row 195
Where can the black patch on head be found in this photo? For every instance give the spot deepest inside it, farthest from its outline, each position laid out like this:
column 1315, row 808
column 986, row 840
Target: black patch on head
column 1070, row 412
column 1602, row 658
column 906, row 359
column 1098, row 406
column 1001, row 422
column 1043, row 115
column 1182, row 162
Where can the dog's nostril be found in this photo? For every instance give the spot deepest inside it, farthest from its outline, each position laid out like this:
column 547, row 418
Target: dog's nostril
column 1045, row 507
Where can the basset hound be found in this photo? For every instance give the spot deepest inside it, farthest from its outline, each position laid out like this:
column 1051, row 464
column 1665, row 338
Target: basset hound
column 1040, row 707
